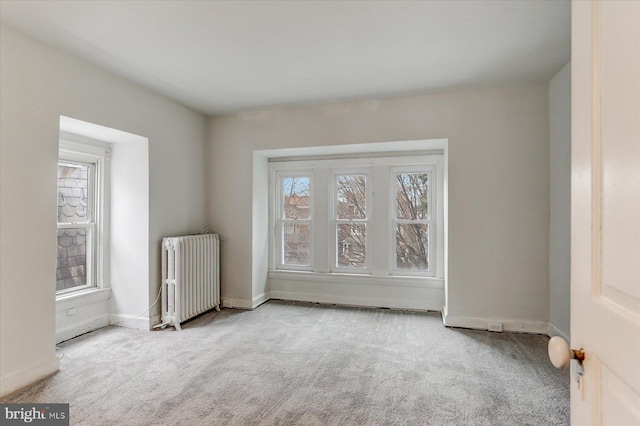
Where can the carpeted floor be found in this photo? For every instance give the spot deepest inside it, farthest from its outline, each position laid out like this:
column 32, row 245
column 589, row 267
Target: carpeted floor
column 293, row 363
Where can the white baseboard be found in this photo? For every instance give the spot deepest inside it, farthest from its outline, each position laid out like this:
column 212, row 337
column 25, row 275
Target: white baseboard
column 75, row 330
column 522, row 326
column 325, row 298
column 230, row 302
column 554, row 330
column 130, row 321
column 259, row 300
column 16, row 380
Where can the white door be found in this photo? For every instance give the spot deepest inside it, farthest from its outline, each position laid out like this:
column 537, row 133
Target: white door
column 605, row 211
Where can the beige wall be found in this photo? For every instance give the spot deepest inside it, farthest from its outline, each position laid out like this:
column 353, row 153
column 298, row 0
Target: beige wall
column 498, row 188
column 37, row 85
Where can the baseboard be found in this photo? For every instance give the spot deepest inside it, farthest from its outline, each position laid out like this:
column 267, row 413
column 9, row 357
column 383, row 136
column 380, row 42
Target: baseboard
column 14, row 381
column 230, row 302
column 76, row 330
column 155, row 319
column 521, row 326
column 554, row 330
column 130, row 321
column 259, row 300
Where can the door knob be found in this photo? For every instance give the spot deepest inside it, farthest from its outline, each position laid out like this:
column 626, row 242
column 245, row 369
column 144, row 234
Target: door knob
column 560, row 354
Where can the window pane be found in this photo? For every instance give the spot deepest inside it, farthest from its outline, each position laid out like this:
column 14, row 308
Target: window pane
column 296, row 197
column 352, row 196
column 296, row 244
column 351, row 245
column 412, row 242
column 72, row 258
column 73, row 193
column 411, row 196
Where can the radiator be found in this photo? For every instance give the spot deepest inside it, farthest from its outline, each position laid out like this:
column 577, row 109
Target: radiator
column 190, row 277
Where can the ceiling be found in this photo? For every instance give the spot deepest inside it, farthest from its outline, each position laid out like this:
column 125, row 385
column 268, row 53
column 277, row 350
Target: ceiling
column 219, row 57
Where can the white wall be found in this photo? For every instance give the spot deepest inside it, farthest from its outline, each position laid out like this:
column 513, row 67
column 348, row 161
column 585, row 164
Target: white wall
column 498, row 189
column 37, row 85
column 129, row 229
column 560, row 202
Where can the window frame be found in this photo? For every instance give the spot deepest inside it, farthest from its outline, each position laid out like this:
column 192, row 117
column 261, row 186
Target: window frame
column 96, row 251
column 431, row 221
column 334, row 251
column 281, row 222
column 380, row 235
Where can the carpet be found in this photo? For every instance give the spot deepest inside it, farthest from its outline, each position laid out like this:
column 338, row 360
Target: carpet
column 295, row 363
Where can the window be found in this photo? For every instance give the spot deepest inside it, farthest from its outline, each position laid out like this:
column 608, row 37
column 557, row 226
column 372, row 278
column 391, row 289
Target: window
column 80, row 217
column 350, row 216
column 412, row 221
column 294, row 219
column 364, row 216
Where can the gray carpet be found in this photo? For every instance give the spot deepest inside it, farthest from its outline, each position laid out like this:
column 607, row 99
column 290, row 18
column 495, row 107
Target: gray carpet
column 292, row 363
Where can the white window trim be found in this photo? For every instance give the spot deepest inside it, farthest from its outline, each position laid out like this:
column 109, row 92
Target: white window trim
column 435, row 161
column 432, row 223
column 280, row 222
column 333, row 221
column 98, row 251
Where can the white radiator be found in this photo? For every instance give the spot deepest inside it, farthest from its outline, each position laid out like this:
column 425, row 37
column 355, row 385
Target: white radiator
column 190, row 277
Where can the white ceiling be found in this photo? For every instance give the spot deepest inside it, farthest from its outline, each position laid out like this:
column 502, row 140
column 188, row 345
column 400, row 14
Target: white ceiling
column 220, row 57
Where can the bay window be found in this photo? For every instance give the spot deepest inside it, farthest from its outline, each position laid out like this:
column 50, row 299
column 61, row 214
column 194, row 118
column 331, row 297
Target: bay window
column 358, row 217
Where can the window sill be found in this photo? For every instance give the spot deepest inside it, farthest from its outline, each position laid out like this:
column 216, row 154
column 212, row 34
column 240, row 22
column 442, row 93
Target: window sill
column 82, row 297
column 387, row 281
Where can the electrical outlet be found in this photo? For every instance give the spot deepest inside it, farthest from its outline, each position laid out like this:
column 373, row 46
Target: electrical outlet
column 495, row 326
